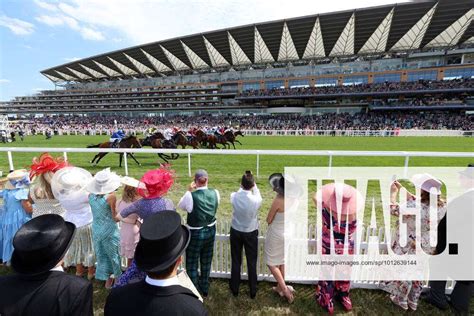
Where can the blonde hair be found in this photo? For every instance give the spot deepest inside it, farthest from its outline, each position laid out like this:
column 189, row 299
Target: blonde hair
column 129, row 194
column 43, row 188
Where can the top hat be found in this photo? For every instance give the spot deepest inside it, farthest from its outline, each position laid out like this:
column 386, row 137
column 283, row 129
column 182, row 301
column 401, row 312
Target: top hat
column 41, row 243
column 162, row 241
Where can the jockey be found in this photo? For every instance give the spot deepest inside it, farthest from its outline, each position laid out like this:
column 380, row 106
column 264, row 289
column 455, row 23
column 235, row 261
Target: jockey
column 151, row 131
column 221, row 130
column 228, row 129
column 116, row 138
column 168, row 133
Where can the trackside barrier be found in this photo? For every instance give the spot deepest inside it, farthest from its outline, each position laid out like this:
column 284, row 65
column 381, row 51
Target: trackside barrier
column 258, row 153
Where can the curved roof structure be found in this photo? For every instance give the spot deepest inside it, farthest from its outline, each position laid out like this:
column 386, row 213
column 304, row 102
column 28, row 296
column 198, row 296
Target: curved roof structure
column 370, row 31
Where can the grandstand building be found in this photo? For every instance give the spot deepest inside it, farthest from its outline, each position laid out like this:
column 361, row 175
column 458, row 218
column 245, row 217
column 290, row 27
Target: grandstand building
column 221, row 71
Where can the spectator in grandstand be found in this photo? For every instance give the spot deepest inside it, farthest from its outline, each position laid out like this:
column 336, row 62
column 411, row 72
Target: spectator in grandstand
column 40, row 286
column 244, row 232
column 17, row 209
column 406, row 293
column 153, row 188
column 41, row 194
column 460, row 230
column 130, row 225
column 274, row 252
column 201, row 204
column 159, row 253
column 328, row 196
column 105, row 233
column 68, row 188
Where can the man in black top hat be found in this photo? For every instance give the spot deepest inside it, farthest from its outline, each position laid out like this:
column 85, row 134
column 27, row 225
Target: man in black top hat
column 162, row 242
column 39, row 286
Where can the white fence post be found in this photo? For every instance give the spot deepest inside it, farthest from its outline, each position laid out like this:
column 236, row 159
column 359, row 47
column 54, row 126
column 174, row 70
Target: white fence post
column 125, row 162
column 10, row 160
column 65, row 156
column 189, row 164
column 330, row 163
column 405, row 171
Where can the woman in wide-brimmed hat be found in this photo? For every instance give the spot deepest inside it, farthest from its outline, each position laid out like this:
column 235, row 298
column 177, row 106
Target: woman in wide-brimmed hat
column 337, row 198
column 67, row 186
column 2, row 214
column 41, row 194
column 153, row 187
column 17, row 209
column 406, row 293
column 130, row 225
column 105, row 233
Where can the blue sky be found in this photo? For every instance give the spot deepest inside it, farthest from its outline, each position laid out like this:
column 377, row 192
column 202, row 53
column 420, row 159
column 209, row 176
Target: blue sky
column 39, row 34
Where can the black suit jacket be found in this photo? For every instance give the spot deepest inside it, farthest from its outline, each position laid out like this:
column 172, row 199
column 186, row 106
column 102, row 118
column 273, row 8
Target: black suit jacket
column 51, row 293
column 141, row 298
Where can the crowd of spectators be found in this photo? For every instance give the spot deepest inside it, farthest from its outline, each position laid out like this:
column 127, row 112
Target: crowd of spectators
column 373, row 120
column 364, row 88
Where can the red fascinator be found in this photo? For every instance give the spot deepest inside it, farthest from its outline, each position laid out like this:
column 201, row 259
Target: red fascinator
column 156, row 183
column 46, row 163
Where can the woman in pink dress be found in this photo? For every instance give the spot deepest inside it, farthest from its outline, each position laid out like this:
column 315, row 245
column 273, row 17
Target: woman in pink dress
column 130, row 225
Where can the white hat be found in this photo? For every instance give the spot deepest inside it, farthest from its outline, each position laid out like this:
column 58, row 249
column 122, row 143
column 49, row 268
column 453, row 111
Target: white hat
column 131, row 182
column 427, row 182
column 69, row 181
column 17, row 179
column 104, row 182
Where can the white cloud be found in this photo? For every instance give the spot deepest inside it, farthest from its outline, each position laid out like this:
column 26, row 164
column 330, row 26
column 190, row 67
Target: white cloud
column 141, row 21
column 17, row 26
column 71, row 59
column 46, row 6
column 4, row 81
column 63, row 20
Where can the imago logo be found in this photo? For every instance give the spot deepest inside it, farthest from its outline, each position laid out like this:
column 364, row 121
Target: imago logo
column 378, row 223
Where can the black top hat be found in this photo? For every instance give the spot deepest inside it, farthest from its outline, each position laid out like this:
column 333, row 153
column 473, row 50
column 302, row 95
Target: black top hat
column 162, row 241
column 41, row 243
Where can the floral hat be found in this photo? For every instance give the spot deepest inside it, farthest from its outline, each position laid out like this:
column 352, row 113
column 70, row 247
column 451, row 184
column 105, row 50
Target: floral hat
column 156, row 182
column 18, row 179
column 46, row 164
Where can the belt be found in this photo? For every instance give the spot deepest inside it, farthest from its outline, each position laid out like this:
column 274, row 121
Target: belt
column 197, row 228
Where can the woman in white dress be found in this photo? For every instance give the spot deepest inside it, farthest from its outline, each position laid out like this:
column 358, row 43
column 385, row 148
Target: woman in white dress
column 68, row 188
column 274, row 250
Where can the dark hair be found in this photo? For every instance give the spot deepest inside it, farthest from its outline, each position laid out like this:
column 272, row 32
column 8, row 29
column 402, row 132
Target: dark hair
column 164, row 273
column 247, row 181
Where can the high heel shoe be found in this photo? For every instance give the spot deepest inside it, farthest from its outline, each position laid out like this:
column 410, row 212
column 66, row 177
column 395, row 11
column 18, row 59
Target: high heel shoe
column 288, row 295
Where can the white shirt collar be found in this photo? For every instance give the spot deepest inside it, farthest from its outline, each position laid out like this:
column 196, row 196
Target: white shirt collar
column 202, row 188
column 58, row 268
column 163, row 282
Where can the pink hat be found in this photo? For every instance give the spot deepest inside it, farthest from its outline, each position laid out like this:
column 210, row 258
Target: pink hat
column 346, row 195
column 156, row 183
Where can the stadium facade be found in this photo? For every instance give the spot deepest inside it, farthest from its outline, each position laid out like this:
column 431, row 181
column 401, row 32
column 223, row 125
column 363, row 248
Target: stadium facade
column 429, row 40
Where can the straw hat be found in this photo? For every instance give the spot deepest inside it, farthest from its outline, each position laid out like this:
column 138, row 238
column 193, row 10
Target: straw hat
column 335, row 196
column 427, row 182
column 131, row 182
column 69, row 181
column 104, row 182
column 17, row 179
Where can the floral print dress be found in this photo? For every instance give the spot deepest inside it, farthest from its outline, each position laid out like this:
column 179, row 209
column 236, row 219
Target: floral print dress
column 406, row 293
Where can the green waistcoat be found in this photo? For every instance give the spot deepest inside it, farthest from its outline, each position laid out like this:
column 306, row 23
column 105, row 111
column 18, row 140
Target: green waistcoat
column 204, row 208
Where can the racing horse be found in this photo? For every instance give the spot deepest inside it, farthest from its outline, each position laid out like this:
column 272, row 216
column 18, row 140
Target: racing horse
column 128, row 142
column 231, row 137
column 215, row 139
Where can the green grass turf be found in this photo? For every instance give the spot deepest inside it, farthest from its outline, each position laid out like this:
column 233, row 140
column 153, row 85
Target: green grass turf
column 226, row 170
